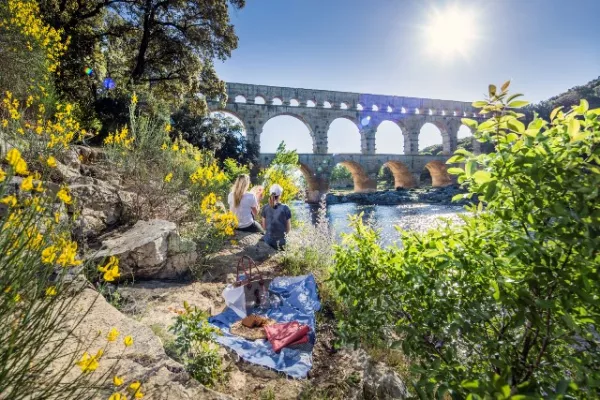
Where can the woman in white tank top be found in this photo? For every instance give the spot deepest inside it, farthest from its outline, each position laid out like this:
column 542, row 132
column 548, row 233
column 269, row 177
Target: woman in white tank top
column 244, row 205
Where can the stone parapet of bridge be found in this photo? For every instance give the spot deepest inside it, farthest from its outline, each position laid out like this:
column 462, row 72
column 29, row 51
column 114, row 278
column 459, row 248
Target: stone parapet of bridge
column 317, row 109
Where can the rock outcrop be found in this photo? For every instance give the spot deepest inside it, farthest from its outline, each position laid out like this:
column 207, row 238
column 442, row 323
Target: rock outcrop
column 144, row 361
column 150, row 250
column 101, row 205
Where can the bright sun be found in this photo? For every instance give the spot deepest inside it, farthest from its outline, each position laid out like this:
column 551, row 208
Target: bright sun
column 451, row 31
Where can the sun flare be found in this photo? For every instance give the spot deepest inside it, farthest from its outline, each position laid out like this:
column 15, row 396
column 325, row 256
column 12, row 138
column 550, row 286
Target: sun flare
column 451, row 31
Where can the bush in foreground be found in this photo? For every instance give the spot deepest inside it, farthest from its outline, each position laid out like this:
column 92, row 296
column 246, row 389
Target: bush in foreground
column 504, row 305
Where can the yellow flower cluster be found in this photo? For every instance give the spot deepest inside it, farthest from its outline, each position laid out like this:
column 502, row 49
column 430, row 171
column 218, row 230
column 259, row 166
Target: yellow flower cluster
column 224, row 222
column 63, row 253
column 24, row 17
column 110, row 270
column 120, row 139
column 208, row 175
column 56, row 133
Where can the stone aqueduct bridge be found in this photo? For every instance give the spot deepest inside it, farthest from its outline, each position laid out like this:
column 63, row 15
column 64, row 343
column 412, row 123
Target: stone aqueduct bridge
column 254, row 105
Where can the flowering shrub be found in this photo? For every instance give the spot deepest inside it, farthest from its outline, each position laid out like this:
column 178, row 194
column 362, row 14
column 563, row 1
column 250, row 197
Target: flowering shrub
column 163, row 170
column 37, row 292
column 33, row 49
column 224, row 221
column 27, row 127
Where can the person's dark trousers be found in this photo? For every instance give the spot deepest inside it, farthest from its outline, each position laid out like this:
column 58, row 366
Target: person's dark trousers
column 255, row 227
column 276, row 244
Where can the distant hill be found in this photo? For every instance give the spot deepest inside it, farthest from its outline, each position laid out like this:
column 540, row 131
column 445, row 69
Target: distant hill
column 435, row 149
column 590, row 91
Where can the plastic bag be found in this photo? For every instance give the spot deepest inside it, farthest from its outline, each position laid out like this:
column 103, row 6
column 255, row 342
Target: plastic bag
column 235, row 299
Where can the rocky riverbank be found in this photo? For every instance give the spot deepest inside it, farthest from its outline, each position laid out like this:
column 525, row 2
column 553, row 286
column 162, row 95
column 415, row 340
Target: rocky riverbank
column 441, row 195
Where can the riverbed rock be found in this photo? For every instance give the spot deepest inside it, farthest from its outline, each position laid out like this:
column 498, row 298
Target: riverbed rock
column 144, row 361
column 150, row 250
column 442, row 195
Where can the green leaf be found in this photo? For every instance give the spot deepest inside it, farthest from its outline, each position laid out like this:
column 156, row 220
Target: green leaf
column 480, row 177
column 505, row 86
column 554, row 112
column 514, row 96
column 457, row 197
column 464, row 152
column 574, row 127
column 470, row 123
column 516, row 125
column 582, row 107
column 469, row 384
column 455, row 171
column 518, row 104
column 479, row 104
column 470, row 168
column 492, row 90
column 455, row 159
column 496, row 288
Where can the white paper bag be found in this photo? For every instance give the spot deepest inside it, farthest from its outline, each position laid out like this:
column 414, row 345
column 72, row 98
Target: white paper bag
column 235, row 299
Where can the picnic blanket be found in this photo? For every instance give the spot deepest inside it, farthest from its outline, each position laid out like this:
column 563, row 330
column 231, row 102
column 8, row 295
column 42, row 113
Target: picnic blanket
column 299, row 301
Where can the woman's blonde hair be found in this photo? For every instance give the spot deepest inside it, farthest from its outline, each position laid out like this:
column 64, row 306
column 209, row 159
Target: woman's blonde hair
column 240, row 187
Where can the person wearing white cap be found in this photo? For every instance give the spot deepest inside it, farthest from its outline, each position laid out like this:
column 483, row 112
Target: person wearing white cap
column 276, row 219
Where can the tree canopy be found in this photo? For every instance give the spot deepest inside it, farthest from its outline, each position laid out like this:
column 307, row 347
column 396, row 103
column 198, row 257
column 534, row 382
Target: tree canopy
column 162, row 49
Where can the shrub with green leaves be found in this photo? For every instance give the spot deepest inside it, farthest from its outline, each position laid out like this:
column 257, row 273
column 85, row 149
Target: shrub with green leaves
column 504, row 305
column 195, row 345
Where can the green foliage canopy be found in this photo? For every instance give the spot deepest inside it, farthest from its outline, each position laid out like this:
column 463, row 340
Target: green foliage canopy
column 160, row 48
column 504, row 305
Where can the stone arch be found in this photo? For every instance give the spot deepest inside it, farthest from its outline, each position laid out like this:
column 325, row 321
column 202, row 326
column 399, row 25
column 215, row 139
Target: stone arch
column 277, row 101
column 362, row 182
column 439, row 174
column 296, row 117
column 239, row 99
column 260, row 100
column 316, row 185
column 232, row 114
column 343, row 131
column 389, row 137
column 294, row 103
column 431, row 134
column 402, row 176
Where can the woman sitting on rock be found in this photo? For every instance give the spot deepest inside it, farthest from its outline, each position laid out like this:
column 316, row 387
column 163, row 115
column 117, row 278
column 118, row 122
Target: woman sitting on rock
column 244, row 205
column 276, row 219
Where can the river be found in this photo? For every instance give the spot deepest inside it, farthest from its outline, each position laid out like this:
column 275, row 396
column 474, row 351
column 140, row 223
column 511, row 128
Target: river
column 413, row 216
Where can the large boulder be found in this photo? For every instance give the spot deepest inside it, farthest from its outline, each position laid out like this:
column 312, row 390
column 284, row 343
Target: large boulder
column 150, row 250
column 380, row 381
column 144, row 361
column 101, row 204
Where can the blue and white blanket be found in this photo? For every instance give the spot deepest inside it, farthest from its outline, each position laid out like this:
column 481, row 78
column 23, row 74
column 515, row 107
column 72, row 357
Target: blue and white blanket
column 299, row 302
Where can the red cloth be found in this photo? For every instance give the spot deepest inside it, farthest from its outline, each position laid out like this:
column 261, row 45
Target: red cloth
column 286, row 334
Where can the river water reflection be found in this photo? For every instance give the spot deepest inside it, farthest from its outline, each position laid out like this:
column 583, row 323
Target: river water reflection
column 416, row 217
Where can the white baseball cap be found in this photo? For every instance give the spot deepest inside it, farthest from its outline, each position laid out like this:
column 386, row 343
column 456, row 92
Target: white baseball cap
column 276, row 190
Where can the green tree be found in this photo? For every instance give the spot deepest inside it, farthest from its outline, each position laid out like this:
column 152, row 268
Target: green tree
column 505, row 304
column 159, row 48
column 340, row 176
column 218, row 133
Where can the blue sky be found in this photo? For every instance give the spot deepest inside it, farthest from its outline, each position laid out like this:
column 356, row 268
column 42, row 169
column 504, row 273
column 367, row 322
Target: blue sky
column 378, row 46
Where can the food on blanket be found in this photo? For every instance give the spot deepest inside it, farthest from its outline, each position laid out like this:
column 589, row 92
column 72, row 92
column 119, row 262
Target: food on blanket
column 254, row 321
